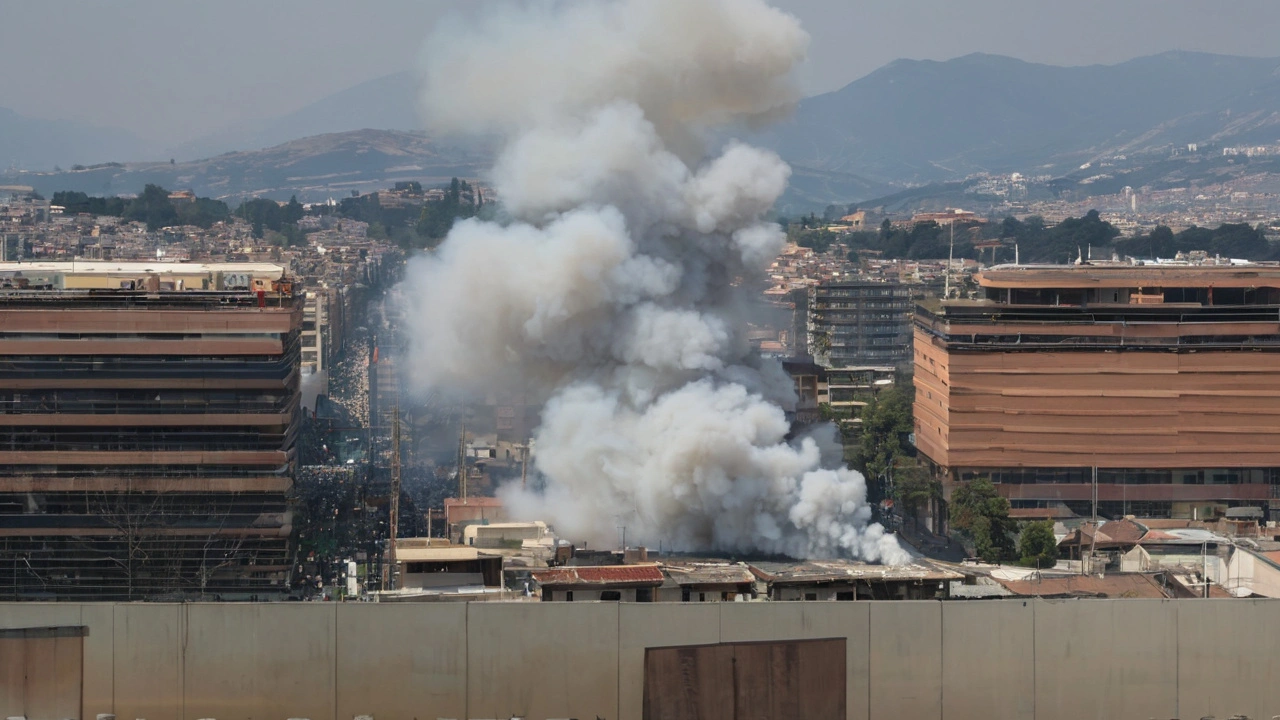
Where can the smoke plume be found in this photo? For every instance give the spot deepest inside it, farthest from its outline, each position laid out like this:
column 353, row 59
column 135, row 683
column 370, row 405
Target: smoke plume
column 617, row 288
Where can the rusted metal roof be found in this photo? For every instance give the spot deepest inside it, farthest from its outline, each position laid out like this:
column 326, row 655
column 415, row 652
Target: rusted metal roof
column 599, row 575
column 710, row 574
column 1122, row 585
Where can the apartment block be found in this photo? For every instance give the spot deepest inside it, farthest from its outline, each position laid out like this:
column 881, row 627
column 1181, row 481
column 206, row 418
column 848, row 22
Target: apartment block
column 860, row 324
column 1160, row 381
column 147, row 421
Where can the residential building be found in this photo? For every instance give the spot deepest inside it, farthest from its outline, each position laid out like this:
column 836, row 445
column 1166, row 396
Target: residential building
column 854, row 580
column 1161, row 378
column 147, row 421
column 859, row 323
column 433, row 569
column 625, row 583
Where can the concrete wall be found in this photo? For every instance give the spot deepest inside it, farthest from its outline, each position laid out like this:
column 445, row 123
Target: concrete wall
column 1012, row 658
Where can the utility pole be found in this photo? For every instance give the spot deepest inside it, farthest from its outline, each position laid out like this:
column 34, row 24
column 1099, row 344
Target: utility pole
column 951, row 257
column 462, row 463
column 524, row 465
column 624, row 537
column 395, row 493
column 1093, row 541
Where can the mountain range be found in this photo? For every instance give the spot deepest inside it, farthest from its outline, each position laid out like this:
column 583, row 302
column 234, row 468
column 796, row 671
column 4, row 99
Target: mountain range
column 313, row 168
column 909, row 123
column 918, row 121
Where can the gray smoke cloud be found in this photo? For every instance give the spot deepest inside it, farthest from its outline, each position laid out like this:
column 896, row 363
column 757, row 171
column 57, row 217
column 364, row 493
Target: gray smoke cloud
column 617, row 290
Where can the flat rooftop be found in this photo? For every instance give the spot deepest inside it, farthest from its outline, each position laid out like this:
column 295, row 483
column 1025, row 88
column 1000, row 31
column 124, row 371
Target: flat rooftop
column 1154, row 275
column 112, row 267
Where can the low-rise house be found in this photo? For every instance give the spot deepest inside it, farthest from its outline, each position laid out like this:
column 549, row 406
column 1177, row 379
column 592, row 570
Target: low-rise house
column 1119, row 585
column 625, row 583
column 854, row 580
column 427, row 569
column 707, row 582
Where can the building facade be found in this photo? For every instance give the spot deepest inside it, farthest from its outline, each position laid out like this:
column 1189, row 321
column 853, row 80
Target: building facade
column 857, row 324
column 147, row 421
column 1162, row 378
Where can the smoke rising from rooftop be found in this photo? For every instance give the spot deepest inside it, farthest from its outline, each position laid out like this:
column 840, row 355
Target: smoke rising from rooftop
column 618, row 288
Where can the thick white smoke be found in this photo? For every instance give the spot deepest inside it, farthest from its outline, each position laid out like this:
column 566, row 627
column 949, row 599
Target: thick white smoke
column 617, row 289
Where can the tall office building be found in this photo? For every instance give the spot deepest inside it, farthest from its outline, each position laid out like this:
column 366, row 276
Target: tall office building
column 860, row 324
column 147, row 422
column 1165, row 379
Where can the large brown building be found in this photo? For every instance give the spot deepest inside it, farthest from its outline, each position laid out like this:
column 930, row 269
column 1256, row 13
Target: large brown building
column 1165, row 378
column 147, row 422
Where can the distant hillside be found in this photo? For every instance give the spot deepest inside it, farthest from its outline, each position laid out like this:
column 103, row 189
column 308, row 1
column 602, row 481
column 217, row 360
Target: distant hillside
column 922, row 121
column 388, row 102
column 313, row 168
column 36, row 144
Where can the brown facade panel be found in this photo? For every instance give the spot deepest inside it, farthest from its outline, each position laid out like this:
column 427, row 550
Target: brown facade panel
column 139, row 346
column 262, row 320
column 1134, row 493
column 275, row 423
column 1121, row 410
column 174, row 457
column 142, row 483
column 166, row 383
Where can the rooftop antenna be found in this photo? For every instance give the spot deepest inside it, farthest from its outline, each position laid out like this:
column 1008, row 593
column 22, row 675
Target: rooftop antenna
column 1017, row 259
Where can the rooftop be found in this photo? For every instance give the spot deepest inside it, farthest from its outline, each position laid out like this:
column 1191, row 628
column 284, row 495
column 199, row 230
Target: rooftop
column 111, row 267
column 1121, row 585
column 600, row 575
column 816, row 571
column 710, row 573
column 453, row 553
column 1247, row 275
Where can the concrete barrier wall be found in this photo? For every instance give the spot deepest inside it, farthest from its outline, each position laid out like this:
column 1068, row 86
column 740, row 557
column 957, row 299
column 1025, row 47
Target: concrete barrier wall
column 1017, row 659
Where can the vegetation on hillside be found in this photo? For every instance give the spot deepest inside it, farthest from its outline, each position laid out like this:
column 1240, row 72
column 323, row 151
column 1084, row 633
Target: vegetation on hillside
column 152, row 207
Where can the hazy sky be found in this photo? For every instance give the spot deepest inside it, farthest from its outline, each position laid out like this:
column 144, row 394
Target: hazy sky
column 175, row 71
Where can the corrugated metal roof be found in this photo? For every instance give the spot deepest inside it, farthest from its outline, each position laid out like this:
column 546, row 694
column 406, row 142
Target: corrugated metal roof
column 1122, row 585
column 815, row 571
column 710, row 574
column 600, row 575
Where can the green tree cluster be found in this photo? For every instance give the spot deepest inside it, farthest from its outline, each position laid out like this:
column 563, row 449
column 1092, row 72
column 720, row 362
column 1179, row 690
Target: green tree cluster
column 1038, row 547
column 269, row 217
column 982, row 517
column 152, row 206
column 437, row 217
column 1232, row 240
column 1060, row 243
column 887, row 424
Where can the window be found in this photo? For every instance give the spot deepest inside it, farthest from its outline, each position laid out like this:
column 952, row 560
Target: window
column 568, row 596
column 844, row 596
column 811, row 596
column 614, row 595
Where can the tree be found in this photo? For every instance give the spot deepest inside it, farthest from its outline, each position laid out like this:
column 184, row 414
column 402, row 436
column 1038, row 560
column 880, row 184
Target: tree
column 1037, row 546
column 982, row 516
column 886, row 423
column 914, row 487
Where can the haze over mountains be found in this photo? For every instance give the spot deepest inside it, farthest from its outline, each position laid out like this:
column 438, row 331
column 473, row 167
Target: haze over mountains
column 908, row 123
column 923, row 121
